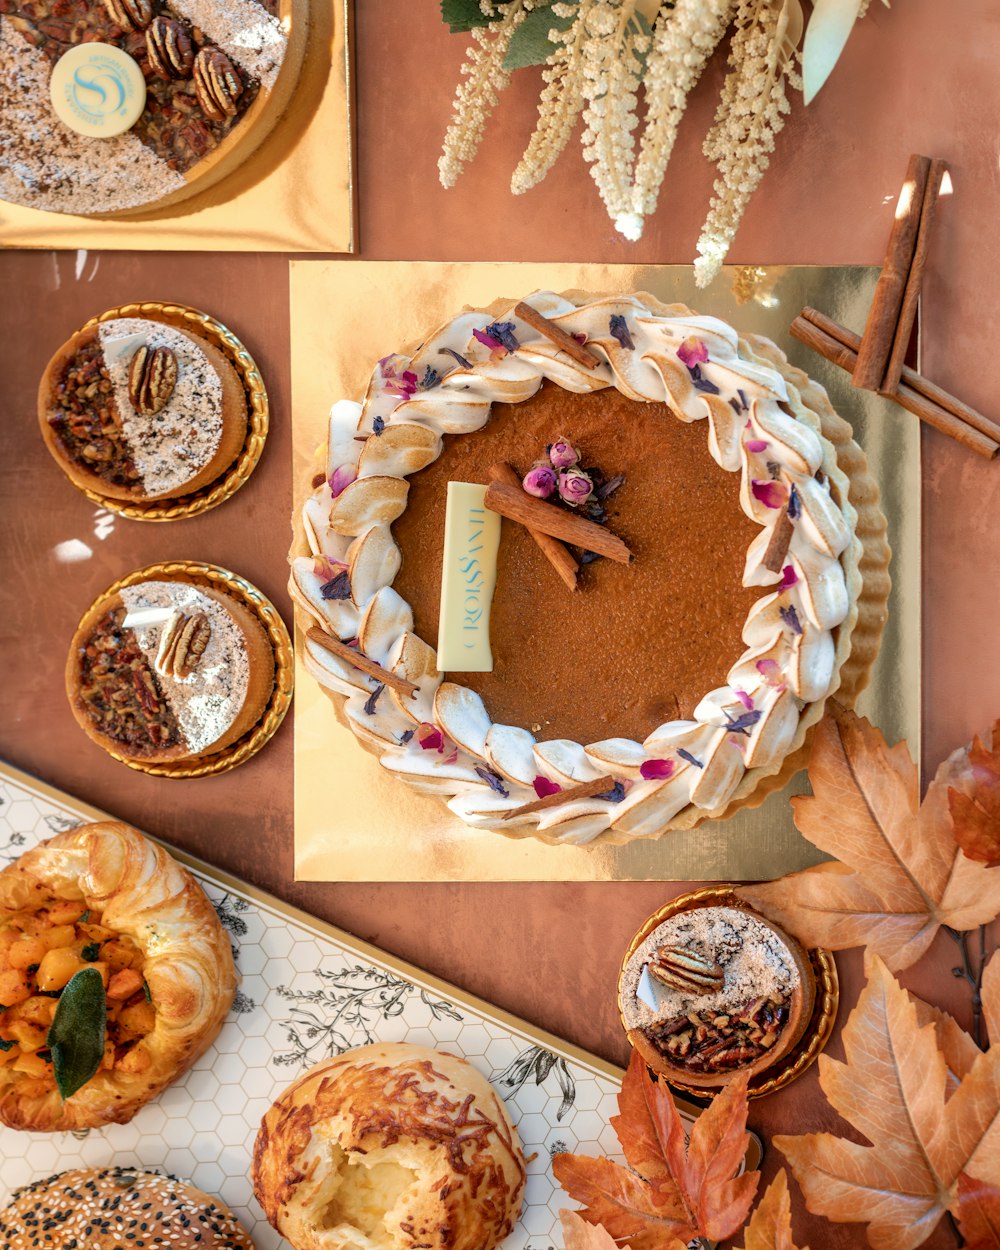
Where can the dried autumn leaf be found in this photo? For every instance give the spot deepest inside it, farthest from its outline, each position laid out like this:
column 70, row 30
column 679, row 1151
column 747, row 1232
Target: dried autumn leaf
column 990, row 997
column 974, row 798
column 901, row 874
column 678, row 1190
column 893, row 1090
column 579, row 1235
column 770, row 1226
column 957, row 1047
column 978, row 1214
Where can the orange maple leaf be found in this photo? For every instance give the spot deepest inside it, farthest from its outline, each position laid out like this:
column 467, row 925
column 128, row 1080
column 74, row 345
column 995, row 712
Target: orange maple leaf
column 894, row 1090
column 579, row 1235
column 978, row 1214
column 900, row 875
column 974, row 798
column 770, row 1226
column 676, row 1191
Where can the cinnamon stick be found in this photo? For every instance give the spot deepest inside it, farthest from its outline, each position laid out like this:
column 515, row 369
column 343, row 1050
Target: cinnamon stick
column 536, row 514
column 931, row 412
column 883, row 316
column 911, row 293
column 360, row 661
column 551, row 548
column 585, row 790
column 565, row 342
column 777, row 547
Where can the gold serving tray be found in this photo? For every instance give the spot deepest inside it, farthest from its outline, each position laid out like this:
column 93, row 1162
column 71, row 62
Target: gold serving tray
column 258, row 416
column 263, row 609
column 345, row 315
column 821, row 1022
column 295, row 193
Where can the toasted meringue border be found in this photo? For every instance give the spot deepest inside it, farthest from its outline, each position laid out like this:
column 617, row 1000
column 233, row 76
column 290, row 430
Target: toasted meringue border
column 781, row 405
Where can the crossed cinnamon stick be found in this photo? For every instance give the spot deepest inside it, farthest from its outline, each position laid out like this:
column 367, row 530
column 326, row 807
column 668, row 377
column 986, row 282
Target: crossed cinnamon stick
column 875, row 359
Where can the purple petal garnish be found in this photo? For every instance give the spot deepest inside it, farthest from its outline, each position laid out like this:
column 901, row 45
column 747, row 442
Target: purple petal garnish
column 701, row 383
column 745, row 699
column 736, row 406
column 794, row 505
column 757, row 444
column 744, row 401
column 378, row 425
column 686, row 755
column 692, row 351
column 791, row 619
column 788, row 578
column 770, row 494
column 447, row 351
column 373, row 699
column 493, row 781
column 503, row 332
column 544, row 787
column 608, row 488
column 431, row 378
column 619, row 330
column 338, row 587
column 404, row 738
column 588, row 557
column 656, row 770
column 342, row 476
column 487, row 340
column 742, row 724
column 614, row 795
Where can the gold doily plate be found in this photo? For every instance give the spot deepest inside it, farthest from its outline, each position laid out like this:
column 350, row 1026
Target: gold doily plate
column 821, row 1022
column 258, row 414
column 266, row 613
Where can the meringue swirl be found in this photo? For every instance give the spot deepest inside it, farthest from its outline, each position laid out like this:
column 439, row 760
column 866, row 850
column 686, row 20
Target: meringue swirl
column 443, row 740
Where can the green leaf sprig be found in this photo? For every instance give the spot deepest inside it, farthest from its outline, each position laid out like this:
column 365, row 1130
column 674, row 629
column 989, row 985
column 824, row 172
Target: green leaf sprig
column 76, row 1035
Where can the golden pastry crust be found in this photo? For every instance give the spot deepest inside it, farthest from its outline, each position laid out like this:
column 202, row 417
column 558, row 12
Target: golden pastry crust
column 145, row 896
column 260, row 682
column 97, row 1208
column 231, row 439
column 392, row 1137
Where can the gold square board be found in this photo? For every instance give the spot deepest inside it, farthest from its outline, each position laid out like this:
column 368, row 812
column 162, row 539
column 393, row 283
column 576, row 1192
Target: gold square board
column 353, row 821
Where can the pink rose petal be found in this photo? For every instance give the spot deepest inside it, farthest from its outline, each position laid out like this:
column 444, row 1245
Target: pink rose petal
column 745, row 699
column 656, row 770
column 788, row 578
column 430, row 737
column 771, row 672
column 770, row 494
column 757, row 444
column 692, row 352
column 342, row 476
column 327, row 568
column 544, row 787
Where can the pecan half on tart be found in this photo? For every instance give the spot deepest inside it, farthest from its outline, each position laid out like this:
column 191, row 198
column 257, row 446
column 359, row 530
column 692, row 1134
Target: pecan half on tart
column 139, row 410
column 714, row 991
column 115, row 975
column 168, row 671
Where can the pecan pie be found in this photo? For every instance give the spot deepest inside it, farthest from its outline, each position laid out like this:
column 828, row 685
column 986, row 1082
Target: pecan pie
column 168, row 671
column 712, row 991
column 218, row 75
column 137, row 410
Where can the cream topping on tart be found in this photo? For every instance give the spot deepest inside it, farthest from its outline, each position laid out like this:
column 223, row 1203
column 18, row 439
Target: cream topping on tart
column 444, row 741
column 172, row 445
column 205, row 689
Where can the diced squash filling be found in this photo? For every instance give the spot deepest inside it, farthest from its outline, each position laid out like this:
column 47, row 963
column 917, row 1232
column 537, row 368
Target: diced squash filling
column 40, row 953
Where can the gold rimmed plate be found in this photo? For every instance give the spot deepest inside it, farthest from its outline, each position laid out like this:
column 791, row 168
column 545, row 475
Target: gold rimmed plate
column 817, row 1030
column 266, row 613
column 258, row 415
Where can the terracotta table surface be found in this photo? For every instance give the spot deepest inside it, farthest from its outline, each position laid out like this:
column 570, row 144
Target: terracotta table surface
column 911, row 79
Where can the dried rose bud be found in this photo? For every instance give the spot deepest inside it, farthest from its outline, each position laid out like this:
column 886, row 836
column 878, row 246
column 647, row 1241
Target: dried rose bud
column 563, row 454
column 575, row 487
column 540, row 481
column 342, row 476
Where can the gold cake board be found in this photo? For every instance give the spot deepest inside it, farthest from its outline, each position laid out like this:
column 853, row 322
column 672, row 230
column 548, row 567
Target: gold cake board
column 295, row 193
column 353, row 820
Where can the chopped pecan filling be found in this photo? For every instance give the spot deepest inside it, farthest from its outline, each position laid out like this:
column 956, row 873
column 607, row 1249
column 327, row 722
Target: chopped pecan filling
column 709, row 1042
column 86, row 421
column 173, row 124
column 120, row 692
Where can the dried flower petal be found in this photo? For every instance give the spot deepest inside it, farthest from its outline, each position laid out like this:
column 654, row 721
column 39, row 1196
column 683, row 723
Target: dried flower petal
column 745, row 699
column 692, row 351
column 503, row 333
column 540, row 481
column 373, row 699
column 700, row 382
column 544, row 787
column 431, row 378
column 430, row 737
column 563, row 454
column 489, row 341
column 686, row 755
column 614, row 795
column 338, row 587
column 619, row 330
column 493, row 781
column 744, row 723
column 656, row 770
column 788, row 578
column 791, row 619
column 447, row 351
column 794, row 506
column 378, row 424
column 342, row 476
column 575, row 488
column 770, row 494
column 770, row 670
column 757, row 444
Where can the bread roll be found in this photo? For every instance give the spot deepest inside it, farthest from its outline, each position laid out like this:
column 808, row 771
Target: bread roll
column 390, row 1147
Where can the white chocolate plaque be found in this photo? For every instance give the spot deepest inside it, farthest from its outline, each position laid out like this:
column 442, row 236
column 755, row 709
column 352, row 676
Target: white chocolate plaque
column 468, row 578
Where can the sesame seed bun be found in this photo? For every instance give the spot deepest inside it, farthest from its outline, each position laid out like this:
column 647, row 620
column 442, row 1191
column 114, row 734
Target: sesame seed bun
column 101, row 1208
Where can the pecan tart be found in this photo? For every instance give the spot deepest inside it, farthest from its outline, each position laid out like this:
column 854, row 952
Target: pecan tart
column 168, row 671
column 101, row 926
column 661, row 692
column 390, row 1145
column 218, row 75
column 715, row 991
column 139, row 410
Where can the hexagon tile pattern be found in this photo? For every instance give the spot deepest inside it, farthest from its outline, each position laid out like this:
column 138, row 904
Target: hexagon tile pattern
column 303, row 997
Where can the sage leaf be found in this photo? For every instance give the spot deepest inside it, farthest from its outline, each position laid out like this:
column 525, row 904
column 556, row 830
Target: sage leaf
column 76, row 1035
column 463, row 15
column 530, row 45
